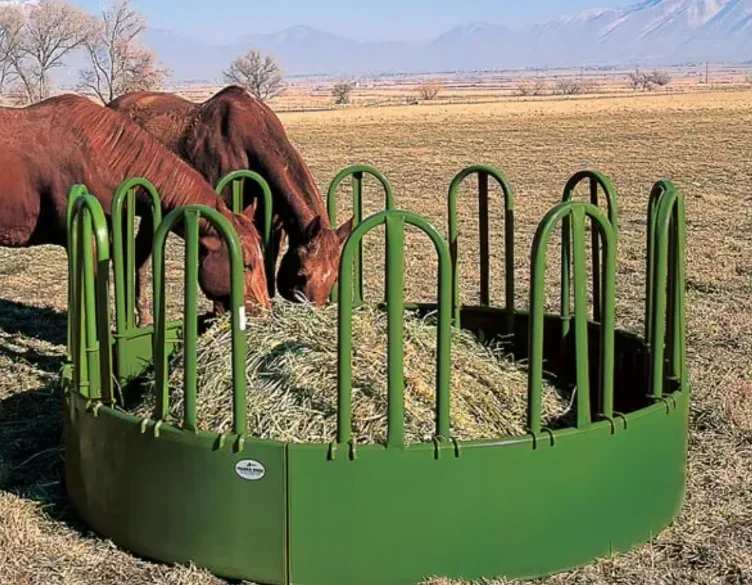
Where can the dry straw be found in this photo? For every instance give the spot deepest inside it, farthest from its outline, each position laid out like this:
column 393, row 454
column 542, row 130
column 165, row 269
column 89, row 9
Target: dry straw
column 291, row 374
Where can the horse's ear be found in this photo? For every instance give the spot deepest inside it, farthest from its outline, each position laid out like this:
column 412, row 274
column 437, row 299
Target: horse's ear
column 344, row 231
column 313, row 229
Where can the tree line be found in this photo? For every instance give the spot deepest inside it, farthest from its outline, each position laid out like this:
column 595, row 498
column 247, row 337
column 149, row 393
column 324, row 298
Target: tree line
column 38, row 38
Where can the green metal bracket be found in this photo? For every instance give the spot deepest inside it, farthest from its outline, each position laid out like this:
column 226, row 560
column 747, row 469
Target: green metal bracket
column 357, row 173
column 483, row 172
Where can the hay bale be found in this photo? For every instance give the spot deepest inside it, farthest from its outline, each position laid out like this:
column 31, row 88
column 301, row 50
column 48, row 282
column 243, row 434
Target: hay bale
column 291, row 373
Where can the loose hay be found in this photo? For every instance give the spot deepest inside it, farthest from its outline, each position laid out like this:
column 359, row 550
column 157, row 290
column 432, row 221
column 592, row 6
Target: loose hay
column 291, row 374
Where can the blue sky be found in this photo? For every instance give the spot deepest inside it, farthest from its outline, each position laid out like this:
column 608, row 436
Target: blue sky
column 410, row 20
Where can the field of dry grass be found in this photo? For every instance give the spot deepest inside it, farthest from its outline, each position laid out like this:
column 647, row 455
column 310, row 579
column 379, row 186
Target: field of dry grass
column 701, row 141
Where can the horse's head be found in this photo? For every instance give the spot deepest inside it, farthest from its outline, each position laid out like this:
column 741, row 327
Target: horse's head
column 310, row 267
column 214, row 268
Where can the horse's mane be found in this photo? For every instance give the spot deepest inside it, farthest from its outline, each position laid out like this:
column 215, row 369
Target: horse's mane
column 123, row 147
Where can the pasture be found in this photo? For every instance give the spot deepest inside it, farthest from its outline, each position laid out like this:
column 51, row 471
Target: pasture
column 699, row 140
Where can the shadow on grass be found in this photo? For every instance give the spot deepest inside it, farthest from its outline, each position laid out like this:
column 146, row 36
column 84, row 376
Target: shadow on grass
column 42, row 324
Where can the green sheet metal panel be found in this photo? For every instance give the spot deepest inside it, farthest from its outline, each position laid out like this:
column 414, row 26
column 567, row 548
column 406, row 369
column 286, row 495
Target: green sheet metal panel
column 133, row 351
column 178, row 497
column 500, row 509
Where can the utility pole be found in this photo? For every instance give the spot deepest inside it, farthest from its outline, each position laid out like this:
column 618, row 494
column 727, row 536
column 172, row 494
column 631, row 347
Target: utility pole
column 707, row 73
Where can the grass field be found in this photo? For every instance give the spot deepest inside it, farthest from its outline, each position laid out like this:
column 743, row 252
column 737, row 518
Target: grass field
column 701, row 141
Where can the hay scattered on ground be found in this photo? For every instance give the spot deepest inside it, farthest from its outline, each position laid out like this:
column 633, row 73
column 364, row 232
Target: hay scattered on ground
column 291, row 376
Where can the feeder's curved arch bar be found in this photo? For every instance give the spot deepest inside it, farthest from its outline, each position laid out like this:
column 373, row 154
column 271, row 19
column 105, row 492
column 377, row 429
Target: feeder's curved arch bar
column 235, row 179
column 577, row 212
column 88, row 292
column 666, row 271
column 124, row 200
column 190, row 216
column 357, row 173
column 395, row 222
column 483, row 172
column 597, row 180
column 76, row 191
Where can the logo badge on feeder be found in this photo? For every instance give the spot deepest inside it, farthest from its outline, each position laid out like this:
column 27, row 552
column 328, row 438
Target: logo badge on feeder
column 250, row 470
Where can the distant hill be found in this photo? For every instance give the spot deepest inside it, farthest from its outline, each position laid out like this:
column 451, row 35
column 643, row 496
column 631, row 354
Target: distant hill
column 656, row 32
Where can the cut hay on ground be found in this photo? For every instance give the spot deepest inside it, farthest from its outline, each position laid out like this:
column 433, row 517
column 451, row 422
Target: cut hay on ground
column 291, row 377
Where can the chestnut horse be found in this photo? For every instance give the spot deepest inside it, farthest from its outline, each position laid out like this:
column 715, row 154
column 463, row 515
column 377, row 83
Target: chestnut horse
column 233, row 131
column 47, row 148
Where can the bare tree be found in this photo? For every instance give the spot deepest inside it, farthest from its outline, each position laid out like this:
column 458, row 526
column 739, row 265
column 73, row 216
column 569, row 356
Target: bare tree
column 531, row 86
column 259, row 74
column 659, row 78
column 569, row 86
column 341, row 92
column 429, row 91
column 118, row 63
column 635, row 79
column 38, row 37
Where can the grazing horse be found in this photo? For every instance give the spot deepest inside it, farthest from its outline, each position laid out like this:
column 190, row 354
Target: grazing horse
column 233, row 131
column 47, row 148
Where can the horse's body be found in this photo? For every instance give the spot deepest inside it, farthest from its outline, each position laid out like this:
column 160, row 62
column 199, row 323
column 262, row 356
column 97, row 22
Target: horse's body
column 47, row 148
column 233, row 131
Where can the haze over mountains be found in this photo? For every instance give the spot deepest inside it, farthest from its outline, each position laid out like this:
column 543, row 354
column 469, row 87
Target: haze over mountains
column 653, row 32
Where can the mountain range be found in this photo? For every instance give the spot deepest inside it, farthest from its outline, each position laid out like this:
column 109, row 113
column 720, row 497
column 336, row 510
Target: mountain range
column 653, row 32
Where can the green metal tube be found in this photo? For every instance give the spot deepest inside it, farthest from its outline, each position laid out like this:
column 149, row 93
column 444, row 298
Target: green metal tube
column 576, row 213
column 159, row 351
column 483, row 172
column 395, row 292
column 331, row 203
column 357, row 188
column 190, row 318
column 191, row 215
column 395, row 221
column 123, row 245
column 485, row 254
column 75, row 192
column 89, row 300
column 581, row 319
column 89, row 343
column 130, row 270
column 237, row 180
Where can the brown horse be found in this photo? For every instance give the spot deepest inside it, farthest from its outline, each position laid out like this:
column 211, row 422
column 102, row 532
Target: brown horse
column 47, row 148
column 233, row 131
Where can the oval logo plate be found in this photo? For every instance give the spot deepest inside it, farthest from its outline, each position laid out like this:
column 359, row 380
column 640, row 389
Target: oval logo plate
column 250, row 470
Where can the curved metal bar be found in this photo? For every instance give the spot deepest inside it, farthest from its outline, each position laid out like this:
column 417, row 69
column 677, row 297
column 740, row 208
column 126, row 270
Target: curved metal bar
column 657, row 194
column 483, row 172
column 395, row 227
column 577, row 213
column 237, row 179
column 190, row 216
column 124, row 247
column 90, row 345
column 666, row 269
column 356, row 172
column 75, row 192
column 597, row 180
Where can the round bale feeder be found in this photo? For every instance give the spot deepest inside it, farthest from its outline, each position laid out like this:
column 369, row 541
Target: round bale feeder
column 344, row 513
